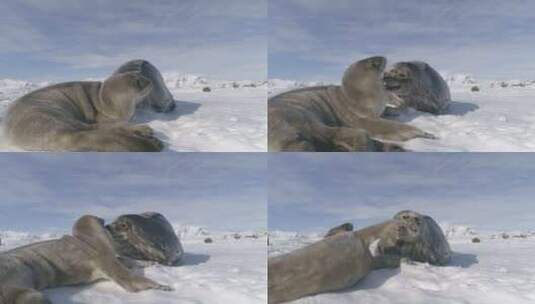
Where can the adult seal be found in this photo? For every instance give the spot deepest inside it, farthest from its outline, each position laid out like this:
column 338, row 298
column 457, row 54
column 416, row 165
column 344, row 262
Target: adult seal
column 338, row 118
column 429, row 245
column 84, row 116
column 94, row 251
column 416, row 84
column 409, row 235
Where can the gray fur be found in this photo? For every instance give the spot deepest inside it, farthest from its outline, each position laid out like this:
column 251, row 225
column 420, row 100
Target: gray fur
column 160, row 98
column 86, row 256
column 345, row 227
column 416, row 84
column 430, row 245
column 147, row 236
column 337, row 118
column 331, row 264
column 342, row 259
column 86, row 115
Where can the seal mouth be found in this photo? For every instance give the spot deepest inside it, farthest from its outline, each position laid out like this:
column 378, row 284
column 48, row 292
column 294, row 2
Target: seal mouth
column 391, row 83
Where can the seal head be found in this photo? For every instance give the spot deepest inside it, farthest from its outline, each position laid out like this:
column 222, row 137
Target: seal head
column 146, row 236
column 427, row 242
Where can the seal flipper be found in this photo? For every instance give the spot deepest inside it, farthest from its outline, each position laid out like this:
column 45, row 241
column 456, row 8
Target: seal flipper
column 386, row 130
column 111, row 139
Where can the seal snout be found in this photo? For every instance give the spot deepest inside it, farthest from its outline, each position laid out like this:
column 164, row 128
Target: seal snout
column 169, row 107
column 378, row 62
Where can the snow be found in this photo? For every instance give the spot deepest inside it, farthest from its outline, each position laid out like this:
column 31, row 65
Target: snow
column 499, row 118
column 496, row 270
column 232, row 117
column 232, row 269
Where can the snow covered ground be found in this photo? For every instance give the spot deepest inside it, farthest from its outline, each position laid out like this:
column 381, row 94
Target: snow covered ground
column 230, row 118
column 232, row 269
column 500, row 117
column 499, row 269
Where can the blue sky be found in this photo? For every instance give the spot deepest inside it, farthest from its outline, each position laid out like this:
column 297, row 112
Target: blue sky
column 314, row 192
column 318, row 39
column 77, row 39
column 47, row 192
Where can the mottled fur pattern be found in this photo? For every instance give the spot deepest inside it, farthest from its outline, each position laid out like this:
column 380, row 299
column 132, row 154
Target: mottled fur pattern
column 338, row 118
column 416, row 84
column 85, row 256
column 429, row 245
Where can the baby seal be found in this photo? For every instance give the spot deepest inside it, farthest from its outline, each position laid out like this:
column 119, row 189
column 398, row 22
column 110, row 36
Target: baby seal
column 87, row 115
column 338, row 118
column 331, row 264
column 93, row 252
column 160, row 98
column 416, row 84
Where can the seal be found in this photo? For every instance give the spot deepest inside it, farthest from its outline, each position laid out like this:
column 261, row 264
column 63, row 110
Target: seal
column 331, row 264
column 345, row 227
column 429, row 245
column 342, row 259
column 160, row 98
column 338, row 118
column 93, row 252
column 84, row 116
column 416, row 84
column 409, row 235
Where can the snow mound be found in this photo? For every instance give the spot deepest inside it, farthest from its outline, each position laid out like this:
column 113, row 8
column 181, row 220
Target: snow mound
column 11, row 239
column 177, row 80
column 513, row 84
column 458, row 231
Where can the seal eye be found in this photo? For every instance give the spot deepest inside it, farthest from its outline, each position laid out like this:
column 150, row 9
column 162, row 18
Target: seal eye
column 122, row 226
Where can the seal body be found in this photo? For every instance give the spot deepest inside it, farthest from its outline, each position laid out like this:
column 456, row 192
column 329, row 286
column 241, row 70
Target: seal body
column 416, row 84
column 160, row 98
column 337, row 118
column 85, row 256
column 331, row 264
column 83, row 116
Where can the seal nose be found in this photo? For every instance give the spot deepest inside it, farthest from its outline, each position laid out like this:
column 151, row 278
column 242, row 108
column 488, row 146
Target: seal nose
column 171, row 107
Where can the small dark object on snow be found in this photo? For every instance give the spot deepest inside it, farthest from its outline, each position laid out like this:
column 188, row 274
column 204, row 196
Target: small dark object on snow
column 475, row 89
column 476, row 240
column 206, row 89
column 208, row 240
